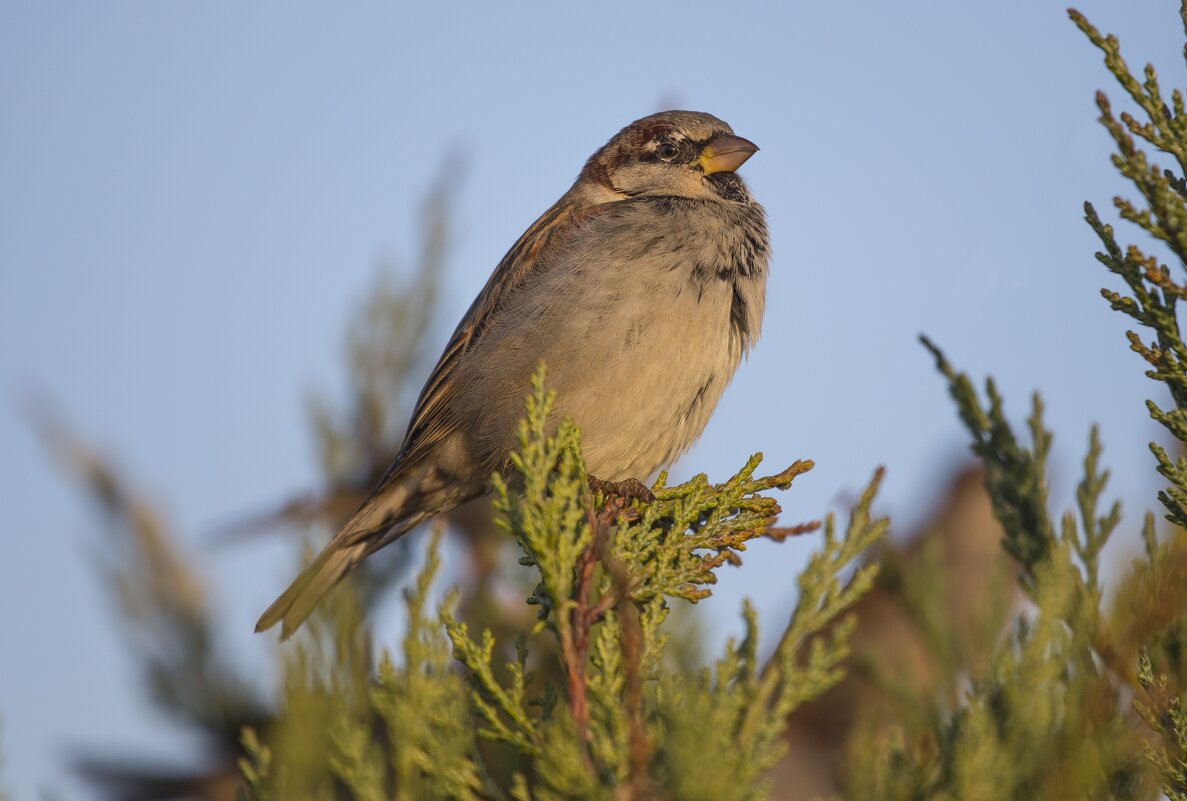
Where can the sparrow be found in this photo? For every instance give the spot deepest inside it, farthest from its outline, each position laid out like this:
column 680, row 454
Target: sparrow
column 640, row 290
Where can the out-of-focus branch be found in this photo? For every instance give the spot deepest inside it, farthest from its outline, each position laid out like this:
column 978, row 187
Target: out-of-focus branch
column 163, row 607
column 161, row 599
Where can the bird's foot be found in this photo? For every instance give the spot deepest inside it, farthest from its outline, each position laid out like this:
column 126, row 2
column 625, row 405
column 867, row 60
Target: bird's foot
column 629, row 490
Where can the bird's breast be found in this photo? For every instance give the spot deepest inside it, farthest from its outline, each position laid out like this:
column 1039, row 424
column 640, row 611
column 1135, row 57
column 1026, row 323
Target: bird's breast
column 668, row 337
column 641, row 323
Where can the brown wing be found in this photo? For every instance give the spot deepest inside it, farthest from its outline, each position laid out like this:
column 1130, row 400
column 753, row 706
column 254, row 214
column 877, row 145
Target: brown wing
column 430, row 419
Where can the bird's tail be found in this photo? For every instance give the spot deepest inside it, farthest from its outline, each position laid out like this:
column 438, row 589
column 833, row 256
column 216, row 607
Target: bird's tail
column 372, row 526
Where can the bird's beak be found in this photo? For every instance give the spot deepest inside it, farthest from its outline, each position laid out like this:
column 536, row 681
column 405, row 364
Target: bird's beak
column 726, row 153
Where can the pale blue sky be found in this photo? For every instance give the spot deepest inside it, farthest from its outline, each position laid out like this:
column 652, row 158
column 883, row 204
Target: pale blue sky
column 193, row 198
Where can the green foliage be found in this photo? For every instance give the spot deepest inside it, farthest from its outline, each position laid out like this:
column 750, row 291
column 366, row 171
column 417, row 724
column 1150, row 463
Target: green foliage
column 1015, row 476
column 255, row 766
column 735, row 709
column 588, row 706
column 424, row 706
column 1044, row 718
column 1166, row 717
column 1162, row 214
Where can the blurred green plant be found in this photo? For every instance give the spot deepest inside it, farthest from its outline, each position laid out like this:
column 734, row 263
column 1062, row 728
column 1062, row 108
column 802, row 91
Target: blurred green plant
column 170, row 627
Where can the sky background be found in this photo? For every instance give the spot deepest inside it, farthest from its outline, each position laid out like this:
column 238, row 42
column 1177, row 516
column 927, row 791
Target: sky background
column 194, row 198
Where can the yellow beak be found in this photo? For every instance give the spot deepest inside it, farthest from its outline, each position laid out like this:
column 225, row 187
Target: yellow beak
column 726, row 153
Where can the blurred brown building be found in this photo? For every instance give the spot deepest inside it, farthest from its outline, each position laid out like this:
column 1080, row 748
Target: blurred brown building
column 940, row 603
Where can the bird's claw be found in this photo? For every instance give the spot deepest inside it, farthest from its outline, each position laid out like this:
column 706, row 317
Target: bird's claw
column 629, row 490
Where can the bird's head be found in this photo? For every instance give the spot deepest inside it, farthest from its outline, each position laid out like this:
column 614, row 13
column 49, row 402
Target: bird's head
column 674, row 153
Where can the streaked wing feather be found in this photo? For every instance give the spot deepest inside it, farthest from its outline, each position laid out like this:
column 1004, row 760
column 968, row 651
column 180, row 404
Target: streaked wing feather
column 430, row 420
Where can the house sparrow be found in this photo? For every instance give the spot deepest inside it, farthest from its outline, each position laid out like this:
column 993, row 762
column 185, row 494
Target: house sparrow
column 640, row 290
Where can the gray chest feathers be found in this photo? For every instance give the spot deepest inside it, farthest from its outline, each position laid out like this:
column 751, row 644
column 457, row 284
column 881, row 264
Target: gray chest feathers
column 674, row 313
column 707, row 264
column 641, row 322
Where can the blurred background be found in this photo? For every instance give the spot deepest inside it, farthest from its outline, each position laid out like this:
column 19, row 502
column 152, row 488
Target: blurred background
column 198, row 202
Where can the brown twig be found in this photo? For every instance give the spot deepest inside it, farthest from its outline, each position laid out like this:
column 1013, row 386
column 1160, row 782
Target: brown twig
column 1151, row 353
column 630, row 632
column 575, row 647
column 780, row 533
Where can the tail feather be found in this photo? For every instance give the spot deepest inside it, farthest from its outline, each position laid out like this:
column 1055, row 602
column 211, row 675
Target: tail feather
column 373, row 526
column 302, row 596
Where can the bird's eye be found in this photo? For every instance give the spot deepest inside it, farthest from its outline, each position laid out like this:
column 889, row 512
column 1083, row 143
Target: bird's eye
column 667, row 150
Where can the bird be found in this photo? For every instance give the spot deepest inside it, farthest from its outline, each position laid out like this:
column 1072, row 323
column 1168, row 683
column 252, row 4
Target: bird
column 640, row 291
